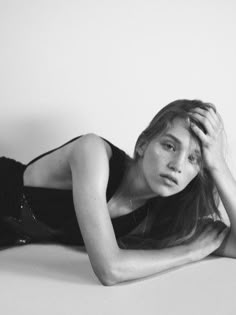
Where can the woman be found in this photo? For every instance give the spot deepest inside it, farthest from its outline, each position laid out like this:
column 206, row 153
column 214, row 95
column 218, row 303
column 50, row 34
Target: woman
column 162, row 202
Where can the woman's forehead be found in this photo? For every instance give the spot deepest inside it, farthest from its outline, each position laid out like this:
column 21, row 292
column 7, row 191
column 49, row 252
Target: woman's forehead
column 180, row 131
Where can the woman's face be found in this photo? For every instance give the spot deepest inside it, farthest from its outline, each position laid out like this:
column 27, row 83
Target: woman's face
column 175, row 153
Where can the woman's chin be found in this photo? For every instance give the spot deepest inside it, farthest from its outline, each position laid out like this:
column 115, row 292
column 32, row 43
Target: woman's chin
column 165, row 191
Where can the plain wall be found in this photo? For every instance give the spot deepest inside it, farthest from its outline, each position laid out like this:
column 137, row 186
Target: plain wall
column 71, row 67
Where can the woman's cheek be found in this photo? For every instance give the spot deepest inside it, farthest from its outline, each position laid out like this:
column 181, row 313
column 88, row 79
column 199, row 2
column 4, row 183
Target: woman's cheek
column 191, row 175
column 155, row 165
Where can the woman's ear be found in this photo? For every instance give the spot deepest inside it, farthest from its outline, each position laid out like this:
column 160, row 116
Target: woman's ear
column 141, row 146
column 139, row 151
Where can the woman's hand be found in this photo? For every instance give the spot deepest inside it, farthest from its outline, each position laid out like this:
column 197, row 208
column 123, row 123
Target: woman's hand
column 212, row 141
column 208, row 240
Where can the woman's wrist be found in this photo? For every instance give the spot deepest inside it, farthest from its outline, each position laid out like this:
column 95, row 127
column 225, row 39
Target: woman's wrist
column 187, row 252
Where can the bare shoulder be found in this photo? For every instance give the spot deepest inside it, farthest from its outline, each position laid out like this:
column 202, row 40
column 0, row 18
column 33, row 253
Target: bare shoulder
column 89, row 166
column 91, row 142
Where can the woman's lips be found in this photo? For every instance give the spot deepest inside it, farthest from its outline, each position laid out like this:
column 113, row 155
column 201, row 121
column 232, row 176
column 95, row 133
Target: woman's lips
column 169, row 179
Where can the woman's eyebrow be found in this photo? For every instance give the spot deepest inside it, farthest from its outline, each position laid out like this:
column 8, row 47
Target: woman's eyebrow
column 179, row 141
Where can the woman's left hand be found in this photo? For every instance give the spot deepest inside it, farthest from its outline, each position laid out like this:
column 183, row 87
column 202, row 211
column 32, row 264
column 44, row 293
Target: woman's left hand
column 212, row 141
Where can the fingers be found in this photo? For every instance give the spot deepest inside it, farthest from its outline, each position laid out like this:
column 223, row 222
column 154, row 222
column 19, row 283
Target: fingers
column 210, row 222
column 212, row 235
column 219, row 226
column 224, row 231
column 209, row 117
column 205, row 117
column 218, row 231
column 215, row 113
column 206, row 231
column 215, row 228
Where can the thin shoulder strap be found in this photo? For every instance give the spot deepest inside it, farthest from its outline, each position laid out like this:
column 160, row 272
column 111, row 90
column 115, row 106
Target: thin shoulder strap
column 48, row 152
column 116, row 152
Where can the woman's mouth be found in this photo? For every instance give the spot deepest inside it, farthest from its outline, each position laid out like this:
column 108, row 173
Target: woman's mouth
column 169, row 179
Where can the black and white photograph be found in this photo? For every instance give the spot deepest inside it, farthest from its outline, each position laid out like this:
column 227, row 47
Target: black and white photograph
column 117, row 157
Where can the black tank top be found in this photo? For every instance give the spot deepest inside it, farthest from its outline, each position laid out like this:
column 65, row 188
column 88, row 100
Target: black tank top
column 55, row 208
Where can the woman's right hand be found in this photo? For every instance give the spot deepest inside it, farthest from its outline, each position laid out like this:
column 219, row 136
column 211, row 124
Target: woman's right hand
column 208, row 240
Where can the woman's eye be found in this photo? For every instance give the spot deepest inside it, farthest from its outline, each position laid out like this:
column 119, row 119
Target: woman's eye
column 193, row 159
column 168, row 145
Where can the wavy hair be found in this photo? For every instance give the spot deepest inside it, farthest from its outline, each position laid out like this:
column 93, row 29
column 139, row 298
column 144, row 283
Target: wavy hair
column 179, row 218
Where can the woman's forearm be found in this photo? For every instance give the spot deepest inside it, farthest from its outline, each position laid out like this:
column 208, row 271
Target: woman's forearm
column 134, row 264
column 226, row 186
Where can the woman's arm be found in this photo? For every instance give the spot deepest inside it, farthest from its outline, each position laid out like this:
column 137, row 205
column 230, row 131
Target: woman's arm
column 212, row 147
column 89, row 163
column 134, row 264
column 226, row 186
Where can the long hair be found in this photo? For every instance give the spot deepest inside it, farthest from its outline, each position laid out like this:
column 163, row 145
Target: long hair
column 179, row 218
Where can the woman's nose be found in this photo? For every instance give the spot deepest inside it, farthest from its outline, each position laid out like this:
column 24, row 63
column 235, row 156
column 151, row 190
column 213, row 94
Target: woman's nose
column 174, row 168
column 177, row 163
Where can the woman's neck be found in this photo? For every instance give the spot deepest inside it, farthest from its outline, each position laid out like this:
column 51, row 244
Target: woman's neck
column 134, row 186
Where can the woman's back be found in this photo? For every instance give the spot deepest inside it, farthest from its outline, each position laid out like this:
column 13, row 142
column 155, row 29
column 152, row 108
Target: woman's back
column 51, row 169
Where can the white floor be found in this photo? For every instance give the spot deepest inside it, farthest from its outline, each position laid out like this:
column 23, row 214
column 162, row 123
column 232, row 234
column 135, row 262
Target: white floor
column 54, row 279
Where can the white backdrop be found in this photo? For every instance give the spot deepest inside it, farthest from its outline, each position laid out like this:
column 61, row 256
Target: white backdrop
column 71, row 67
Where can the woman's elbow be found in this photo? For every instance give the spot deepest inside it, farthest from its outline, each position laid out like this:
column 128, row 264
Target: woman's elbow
column 106, row 277
column 106, row 269
column 107, row 281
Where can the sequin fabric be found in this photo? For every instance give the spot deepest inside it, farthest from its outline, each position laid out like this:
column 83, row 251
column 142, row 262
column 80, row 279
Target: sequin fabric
column 28, row 228
column 18, row 224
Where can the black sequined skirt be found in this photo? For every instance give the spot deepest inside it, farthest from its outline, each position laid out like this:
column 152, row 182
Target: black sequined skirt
column 18, row 224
